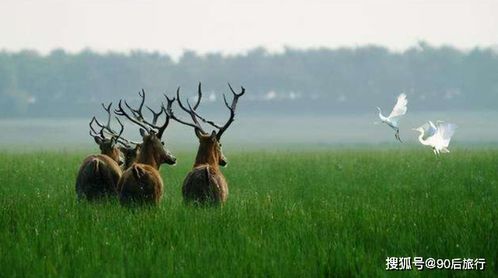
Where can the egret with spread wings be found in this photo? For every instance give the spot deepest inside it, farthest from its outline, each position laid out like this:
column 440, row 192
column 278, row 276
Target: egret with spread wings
column 437, row 135
column 398, row 111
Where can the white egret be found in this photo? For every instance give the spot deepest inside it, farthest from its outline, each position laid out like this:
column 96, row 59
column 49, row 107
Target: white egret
column 437, row 135
column 398, row 111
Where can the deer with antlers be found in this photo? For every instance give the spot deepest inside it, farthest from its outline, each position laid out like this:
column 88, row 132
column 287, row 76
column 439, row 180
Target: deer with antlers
column 99, row 174
column 130, row 153
column 205, row 183
column 141, row 182
column 129, row 149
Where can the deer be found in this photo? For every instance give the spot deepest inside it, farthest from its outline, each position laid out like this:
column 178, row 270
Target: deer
column 130, row 153
column 205, row 183
column 129, row 149
column 99, row 174
column 141, row 181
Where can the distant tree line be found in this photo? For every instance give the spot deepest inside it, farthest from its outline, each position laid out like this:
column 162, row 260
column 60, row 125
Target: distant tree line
column 294, row 81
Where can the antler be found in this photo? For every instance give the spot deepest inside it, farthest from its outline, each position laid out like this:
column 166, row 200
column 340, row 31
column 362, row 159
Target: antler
column 199, row 97
column 232, row 108
column 125, row 142
column 138, row 118
column 138, row 112
column 121, row 112
column 99, row 134
column 197, row 127
column 195, row 116
column 166, row 122
column 191, row 111
column 107, row 126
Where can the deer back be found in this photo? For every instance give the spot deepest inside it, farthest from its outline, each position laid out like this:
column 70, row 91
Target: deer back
column 205, row 185
column 140, row 183
column 98, row 176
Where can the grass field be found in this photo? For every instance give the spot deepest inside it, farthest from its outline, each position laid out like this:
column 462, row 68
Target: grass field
column 312, row 213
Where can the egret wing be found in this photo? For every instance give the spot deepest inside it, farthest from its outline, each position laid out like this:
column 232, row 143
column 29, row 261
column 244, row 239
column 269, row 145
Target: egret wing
column 429, row 130
column 444, row 132
column 400, row 107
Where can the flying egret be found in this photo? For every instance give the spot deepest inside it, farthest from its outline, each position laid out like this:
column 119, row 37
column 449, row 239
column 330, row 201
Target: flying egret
column 437, row 135
column 393, row 119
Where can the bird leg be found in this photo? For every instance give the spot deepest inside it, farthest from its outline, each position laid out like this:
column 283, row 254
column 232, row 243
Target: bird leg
column 396, row 135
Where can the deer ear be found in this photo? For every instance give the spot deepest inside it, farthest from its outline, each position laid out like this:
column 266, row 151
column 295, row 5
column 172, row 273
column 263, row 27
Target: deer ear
column 213, row 135
column 143, row 132
column 97, row 140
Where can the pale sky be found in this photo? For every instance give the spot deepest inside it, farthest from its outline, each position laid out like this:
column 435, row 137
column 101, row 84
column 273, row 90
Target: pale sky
column 233, row 26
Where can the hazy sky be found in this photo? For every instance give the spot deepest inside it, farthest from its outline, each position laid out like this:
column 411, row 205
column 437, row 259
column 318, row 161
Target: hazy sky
column 235, row 26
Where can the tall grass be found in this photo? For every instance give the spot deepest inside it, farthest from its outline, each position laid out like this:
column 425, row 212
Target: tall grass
column 288, row 214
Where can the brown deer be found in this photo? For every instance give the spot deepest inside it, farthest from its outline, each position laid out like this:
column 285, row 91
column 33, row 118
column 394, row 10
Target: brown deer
column 129, row 149
column 205, row 183
column 141, row 182
column 99, row 174
column 130, row 153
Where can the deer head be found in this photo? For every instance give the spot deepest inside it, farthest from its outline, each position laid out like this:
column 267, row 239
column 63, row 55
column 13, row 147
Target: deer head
column 210, row 150
column 152, row 150
column 107, row 145
column 130, row 153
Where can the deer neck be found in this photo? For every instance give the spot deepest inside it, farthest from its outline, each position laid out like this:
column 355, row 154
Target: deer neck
column 114, row 156
column 206, row 155
column 146, row 156
column 129, row 162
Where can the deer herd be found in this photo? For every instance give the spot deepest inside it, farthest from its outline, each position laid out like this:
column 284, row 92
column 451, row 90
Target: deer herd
column 129, row 170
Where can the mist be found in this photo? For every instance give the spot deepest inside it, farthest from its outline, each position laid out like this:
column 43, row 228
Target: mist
column 316, row 96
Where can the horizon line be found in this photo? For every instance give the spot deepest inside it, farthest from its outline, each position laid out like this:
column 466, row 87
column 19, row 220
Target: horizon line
column 420, row 45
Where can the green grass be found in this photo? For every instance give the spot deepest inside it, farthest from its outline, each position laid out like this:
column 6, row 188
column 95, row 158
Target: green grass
column 312, row 213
